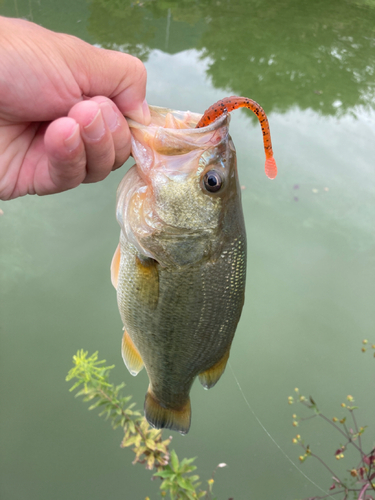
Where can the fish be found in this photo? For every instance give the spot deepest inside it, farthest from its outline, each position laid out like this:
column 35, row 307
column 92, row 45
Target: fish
column 180, row 266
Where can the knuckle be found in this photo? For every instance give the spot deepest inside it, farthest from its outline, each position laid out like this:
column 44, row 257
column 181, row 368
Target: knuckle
column 139, row 70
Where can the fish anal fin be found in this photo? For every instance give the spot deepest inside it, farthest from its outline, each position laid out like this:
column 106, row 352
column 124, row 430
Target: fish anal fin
column 148, row 280
column 115, row 266
column 130, row 355
column 209, row 377
column 167, row 418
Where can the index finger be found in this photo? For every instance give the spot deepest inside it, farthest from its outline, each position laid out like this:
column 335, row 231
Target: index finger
column 120, row 77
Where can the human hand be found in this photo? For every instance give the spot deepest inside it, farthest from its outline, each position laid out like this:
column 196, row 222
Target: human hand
column 62, row 103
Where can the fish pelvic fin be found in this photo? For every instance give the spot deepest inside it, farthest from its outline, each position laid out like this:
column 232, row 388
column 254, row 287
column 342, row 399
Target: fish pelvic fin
column 115, row 266
column 132, row 359
column 209, row 377
column 167, row 418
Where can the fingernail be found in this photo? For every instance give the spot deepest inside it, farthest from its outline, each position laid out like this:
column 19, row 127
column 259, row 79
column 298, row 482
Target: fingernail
column 73, row 141
column 146, row 113
column 110, row 116
column 96, row 129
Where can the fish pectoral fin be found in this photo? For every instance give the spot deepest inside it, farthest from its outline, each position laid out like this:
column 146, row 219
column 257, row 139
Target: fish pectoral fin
column 115, row 266
column 209, row 377
column 132, row 359
column 176, row 419
column 147, row 279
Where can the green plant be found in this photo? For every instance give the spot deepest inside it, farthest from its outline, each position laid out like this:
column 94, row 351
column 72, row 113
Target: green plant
column 92, row 380
column 361, row 479
column 175, row 478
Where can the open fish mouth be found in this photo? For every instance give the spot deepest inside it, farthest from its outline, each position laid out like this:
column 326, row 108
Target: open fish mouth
column 174, row 133
column 185, row 119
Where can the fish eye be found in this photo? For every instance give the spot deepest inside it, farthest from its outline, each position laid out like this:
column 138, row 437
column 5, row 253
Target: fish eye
column 212, row 181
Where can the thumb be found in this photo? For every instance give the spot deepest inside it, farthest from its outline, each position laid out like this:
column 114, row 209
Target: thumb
column 118, row 76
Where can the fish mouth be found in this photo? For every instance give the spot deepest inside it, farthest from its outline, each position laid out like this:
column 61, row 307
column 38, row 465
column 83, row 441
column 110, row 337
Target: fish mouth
column 172, row 133
column 159, row 115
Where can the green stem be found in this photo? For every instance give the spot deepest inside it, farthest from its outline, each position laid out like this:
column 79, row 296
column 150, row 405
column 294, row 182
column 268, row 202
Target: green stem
column 329, row 470
column 343, row 433
column 137, row 426
column 356, row 428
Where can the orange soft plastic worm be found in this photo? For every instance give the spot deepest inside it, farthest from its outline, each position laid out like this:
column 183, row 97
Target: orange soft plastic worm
column 227, row 105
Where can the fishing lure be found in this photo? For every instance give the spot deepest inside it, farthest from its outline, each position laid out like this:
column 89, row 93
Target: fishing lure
column 229, row 104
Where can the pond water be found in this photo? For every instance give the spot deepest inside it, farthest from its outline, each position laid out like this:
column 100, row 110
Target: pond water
column 311, row 260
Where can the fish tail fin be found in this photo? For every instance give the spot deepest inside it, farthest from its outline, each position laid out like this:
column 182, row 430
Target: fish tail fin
column 209, row 377
column 169, row 418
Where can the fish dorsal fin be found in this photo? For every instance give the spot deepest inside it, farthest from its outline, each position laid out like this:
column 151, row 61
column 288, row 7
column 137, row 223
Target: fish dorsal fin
column 176, row 419
column 115, row 266
column 209, row 377
column 130, row 355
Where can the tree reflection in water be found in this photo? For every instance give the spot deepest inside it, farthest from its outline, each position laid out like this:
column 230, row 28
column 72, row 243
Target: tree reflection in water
column 317, row 55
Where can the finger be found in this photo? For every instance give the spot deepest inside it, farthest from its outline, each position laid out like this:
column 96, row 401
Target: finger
column 66, row 154
column 119, row 129
column 121, row 77
column 97, row 138
column 130, row 95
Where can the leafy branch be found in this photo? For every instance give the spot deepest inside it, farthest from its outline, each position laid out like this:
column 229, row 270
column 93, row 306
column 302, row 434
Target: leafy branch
column 92, row 380
column 361, row 481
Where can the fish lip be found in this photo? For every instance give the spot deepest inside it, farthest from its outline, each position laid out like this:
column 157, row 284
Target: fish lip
column 222, row 120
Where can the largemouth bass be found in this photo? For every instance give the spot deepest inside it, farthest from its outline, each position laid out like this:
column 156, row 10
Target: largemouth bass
column 180, row 266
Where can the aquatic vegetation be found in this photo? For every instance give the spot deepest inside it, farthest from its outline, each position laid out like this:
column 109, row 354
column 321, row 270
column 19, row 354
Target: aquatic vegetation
column 361, row 479
column 91, row 377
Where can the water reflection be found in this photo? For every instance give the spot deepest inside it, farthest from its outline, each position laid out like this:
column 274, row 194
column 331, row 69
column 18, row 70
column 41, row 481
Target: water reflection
column 138, row 27
column 316, row 55
column 311, row 250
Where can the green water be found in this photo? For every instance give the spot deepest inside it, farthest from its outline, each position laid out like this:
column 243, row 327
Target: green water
column 311, row 260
